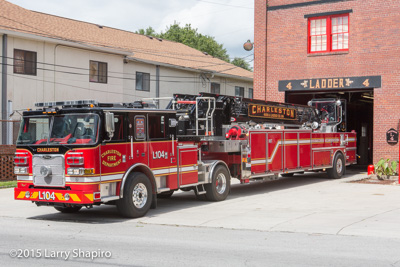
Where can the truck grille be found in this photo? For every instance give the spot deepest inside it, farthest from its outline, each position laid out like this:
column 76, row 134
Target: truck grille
column 48, row 170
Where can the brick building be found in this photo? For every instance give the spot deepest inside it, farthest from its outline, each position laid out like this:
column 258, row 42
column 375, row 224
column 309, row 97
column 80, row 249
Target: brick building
column 347, row 49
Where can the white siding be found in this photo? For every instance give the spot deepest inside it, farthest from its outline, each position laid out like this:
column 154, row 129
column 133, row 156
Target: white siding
column 130, row 92
column 77, row 85
column 63, row 74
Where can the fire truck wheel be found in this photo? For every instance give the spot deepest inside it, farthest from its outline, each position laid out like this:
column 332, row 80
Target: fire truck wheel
column 137, row 196
column 338, row 167
column 287, row 174
column 68, row 209
column 220, row 185
column 187, row 189
column 165, row 194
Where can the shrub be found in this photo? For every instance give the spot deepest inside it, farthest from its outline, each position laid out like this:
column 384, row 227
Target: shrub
column 385, row 168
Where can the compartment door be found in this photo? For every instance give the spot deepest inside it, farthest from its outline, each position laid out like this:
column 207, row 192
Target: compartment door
column 305, row 150
column 275, row 151
column 291, row 151
column 187, row 165
column 258, row 144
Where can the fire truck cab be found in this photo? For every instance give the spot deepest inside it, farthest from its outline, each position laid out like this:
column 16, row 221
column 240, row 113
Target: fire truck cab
column 76, row 154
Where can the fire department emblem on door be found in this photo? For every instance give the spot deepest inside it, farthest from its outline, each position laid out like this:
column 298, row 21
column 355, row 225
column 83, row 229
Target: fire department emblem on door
column 111, row 158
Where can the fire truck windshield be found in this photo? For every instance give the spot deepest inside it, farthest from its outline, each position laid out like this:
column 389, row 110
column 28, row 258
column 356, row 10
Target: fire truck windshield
column 65, row 129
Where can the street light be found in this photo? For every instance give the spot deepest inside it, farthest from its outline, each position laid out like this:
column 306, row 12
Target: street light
column 248, row 46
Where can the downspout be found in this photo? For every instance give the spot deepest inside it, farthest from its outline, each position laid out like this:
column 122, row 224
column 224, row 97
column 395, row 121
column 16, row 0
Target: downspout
column 158, row 84
column 266, row 49
column 4, row 92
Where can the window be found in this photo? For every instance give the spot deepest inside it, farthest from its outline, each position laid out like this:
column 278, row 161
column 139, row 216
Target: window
column 24, row 62
column 62, row 129
column 34, row 130
column 328, row 34
column 74, row 129
column 215, row 88
column 156, row 126
column 119, row 128
column 98, row 72
column 239, row 91
column 140, row 129
column 142, row 81
column 250, row 92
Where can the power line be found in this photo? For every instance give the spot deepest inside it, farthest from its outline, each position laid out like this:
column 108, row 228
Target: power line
column 222, row 4
column 166, row 54
column 110, row 77
column 96, row 90
column 204, row 66
column 144, row 51
column 88, row 70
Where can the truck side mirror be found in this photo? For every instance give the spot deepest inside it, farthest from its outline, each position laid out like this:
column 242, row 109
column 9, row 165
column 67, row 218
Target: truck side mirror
column 110, row 126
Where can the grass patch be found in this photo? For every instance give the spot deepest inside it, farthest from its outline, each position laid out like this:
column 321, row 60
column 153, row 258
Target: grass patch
column 8, row 184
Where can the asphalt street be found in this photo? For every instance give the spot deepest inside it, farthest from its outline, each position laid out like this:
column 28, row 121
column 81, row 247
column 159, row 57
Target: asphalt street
column 305, row 220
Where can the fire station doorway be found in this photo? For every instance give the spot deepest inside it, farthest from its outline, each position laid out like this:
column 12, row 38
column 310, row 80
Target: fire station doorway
column 358, row 106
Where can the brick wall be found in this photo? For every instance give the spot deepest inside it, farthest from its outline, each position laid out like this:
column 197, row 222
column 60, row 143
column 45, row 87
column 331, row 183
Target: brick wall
column 260, row 46
column 374, row 50
column 7, row 153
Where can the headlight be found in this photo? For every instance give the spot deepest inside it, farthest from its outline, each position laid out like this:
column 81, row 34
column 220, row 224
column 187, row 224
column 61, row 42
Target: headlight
column 66, row 196
column 20, row 170
column 79, row 171
column 27, row 194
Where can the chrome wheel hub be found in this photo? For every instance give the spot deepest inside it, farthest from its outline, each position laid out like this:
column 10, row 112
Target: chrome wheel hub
column 339, row 165
column 220, row 183
column 139, row 195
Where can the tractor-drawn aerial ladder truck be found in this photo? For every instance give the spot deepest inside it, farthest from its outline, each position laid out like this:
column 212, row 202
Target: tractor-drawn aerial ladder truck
column 75, row 154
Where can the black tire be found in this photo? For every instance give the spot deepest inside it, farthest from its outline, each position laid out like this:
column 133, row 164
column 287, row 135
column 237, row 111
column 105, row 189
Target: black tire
column 137, row 196
column 220, row 185
column 287, row 174
column 68, row 209
column 338, row 167
column 167, row 194
column 187, row 189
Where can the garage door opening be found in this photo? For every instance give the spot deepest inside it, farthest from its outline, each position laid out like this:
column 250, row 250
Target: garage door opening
column 358, row 108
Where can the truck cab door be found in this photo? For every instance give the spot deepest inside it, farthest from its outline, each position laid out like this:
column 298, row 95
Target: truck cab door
column 113, row 156
column 137, row 139
column 162, row 158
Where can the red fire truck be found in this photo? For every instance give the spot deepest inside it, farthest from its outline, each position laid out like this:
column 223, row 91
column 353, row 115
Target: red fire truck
column 76, row 154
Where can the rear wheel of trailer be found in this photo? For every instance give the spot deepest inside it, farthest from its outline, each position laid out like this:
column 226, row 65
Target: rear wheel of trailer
column 338, row 167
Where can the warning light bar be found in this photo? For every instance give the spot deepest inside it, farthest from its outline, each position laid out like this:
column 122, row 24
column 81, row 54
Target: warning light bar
column 67, row 103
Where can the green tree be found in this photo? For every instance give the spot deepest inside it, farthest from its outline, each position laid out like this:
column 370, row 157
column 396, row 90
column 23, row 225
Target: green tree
column 240, row 62
column 149, row 31
column 191, row 37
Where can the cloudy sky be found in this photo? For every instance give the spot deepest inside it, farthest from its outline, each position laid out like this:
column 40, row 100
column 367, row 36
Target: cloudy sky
column 229, row 21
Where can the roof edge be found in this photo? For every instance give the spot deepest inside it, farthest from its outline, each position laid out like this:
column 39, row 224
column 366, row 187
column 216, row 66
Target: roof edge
column 64, row 42
column 190, row 69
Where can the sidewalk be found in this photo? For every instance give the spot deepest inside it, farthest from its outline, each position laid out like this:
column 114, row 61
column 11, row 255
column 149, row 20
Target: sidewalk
column 308, row 203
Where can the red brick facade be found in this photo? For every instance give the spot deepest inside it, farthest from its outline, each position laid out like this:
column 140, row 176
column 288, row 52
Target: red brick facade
column 374, row 49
